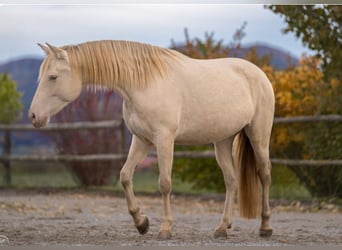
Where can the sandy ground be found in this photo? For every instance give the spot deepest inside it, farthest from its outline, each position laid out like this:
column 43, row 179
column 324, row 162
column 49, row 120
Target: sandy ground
column 93, row 219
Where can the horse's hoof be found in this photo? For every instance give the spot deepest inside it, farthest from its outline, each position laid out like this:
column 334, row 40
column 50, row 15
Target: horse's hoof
column 220, row 234
column 144, row 226
column 267, row 232
column 164, row 235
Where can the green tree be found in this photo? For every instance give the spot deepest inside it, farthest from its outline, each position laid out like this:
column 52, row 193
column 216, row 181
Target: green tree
column 319, row 28
column 10, row 100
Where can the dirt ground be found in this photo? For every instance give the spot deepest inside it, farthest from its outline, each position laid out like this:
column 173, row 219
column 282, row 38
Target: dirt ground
column 93, row 219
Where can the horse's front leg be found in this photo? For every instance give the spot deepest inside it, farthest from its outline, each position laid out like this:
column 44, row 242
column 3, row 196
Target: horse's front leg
column 164, row 145
column 137, row 152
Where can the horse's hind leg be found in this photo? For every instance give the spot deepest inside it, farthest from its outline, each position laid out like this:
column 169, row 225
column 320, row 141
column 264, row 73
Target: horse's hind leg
column 259, row 138
column 223, row 153
column 137, row 153
column 265, row 177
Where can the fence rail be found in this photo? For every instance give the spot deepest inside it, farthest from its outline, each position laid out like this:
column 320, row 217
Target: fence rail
column 62, row 126
column 177, row 154
column 118, row 123
column 319, row 118
column 7, row 157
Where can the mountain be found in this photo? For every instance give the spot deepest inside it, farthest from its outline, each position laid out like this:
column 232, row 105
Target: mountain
column 279, row 59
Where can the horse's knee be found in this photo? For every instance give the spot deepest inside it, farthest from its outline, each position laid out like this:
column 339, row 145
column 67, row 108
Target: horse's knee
column 165, row 185
column 125, row 179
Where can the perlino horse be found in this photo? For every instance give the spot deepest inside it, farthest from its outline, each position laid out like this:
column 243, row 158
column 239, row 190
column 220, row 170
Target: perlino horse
column 172, row 99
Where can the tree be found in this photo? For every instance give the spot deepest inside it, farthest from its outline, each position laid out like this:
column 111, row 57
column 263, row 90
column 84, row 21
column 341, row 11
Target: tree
column 302, row 90
column 319, row 28
column 196, row 48
column 10, row 100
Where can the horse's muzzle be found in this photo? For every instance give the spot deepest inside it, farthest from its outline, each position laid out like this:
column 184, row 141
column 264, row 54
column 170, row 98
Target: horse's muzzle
column 37, row 121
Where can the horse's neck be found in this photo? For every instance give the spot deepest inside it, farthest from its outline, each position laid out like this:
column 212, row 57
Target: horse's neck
column 90, row 84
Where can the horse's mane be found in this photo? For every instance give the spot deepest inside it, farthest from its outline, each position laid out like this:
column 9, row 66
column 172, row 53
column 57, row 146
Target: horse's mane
column 110, row 63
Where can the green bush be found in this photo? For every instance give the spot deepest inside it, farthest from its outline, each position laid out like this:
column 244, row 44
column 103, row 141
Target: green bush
column 202, row 173
column 10, row 100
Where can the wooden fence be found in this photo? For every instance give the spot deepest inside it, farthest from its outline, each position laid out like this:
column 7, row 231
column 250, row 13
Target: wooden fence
column 6, row 158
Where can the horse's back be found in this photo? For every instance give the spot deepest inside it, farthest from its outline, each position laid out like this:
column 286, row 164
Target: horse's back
column 220, row 95
column 201, row 101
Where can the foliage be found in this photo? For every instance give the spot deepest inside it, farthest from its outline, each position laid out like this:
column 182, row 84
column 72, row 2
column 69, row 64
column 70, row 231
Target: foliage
column 319, row 28
column 91, row 106
column 10, row 100
column 202, row 173
column 207, row 49
column 302, row 90
column 314, row 92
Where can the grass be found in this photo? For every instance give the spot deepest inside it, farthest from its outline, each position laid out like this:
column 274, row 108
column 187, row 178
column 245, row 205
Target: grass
column 57, row 176
column 36, row 176
column 284, row 185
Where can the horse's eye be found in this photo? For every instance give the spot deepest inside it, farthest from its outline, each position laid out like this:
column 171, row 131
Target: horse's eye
column 52, row 77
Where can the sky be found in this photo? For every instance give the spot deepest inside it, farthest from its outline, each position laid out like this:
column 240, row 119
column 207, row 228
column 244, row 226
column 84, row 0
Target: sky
column 22, row 26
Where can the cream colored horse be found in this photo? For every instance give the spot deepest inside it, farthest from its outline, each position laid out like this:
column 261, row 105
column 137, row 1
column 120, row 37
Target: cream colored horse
column 172, row 99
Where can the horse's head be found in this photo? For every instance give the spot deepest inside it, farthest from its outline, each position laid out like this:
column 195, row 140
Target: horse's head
column 57, row 86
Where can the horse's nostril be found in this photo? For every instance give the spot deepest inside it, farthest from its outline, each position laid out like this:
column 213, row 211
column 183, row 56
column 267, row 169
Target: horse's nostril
column 33, row 116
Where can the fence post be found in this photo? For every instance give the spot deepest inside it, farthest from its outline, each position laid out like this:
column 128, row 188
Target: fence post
column 7, row 162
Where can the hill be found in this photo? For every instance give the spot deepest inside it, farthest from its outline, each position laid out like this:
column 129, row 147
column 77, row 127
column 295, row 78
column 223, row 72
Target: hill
column 279, row 59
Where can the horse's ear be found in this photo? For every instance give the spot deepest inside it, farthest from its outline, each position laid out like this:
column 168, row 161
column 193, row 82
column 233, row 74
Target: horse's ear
column 44, row 48
column 58, row 52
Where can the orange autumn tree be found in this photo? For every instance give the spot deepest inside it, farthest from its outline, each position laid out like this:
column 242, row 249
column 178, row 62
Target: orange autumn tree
column 298, row 91
column 303, row 90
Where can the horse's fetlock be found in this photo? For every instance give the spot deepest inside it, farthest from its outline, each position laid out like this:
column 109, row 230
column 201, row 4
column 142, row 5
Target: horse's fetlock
column 265, row 215
column 134, row 211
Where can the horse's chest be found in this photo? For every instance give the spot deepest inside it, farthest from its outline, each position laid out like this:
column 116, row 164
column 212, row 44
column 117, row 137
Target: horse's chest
column 137, row 123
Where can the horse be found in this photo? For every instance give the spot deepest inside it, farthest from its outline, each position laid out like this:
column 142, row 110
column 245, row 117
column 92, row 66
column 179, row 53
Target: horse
column 169, row 99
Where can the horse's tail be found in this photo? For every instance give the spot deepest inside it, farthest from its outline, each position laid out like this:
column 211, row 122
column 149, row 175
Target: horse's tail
column 249, row 187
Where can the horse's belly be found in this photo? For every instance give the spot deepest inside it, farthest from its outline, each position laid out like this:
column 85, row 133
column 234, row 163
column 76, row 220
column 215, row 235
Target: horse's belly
column 204, row 131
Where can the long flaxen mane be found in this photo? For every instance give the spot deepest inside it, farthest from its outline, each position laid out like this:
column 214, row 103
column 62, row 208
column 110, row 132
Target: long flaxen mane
column 111, row 63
